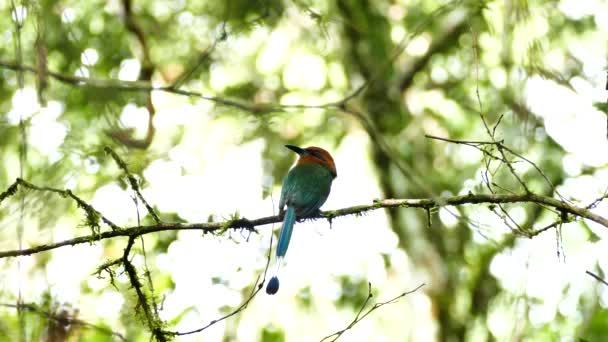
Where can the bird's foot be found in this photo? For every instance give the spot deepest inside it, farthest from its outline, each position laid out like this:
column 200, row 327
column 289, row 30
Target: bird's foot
column 312, row 216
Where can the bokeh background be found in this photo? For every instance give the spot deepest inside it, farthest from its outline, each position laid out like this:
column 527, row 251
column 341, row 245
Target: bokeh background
column 235, row 81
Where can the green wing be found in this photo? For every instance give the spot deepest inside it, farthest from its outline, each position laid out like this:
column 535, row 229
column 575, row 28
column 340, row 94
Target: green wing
column 306, row 188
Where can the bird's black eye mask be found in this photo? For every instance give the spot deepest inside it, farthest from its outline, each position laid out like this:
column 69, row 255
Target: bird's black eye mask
column 316, row 154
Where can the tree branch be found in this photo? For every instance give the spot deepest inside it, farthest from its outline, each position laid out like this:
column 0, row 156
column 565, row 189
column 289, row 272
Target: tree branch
column 153, row 321
column 243, row 223
column 145, row 74
column 143, row 86
column 598, row 278
column 360, row 315
column 132, row 182
column 255, row 289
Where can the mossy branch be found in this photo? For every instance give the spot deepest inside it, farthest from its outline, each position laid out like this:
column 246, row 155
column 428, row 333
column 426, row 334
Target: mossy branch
column 132, row 182
column 250, row 225
column 93, row 216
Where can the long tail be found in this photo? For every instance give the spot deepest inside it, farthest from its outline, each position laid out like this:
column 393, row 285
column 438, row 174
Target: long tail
column 284, row 237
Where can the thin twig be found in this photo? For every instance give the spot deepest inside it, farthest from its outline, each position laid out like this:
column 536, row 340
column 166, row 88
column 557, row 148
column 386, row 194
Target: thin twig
column 257, row 286
column 598, row 200
column 501, row 148
column 598, row 278
column 203, row 56
column 133, row 183
column 376, row 306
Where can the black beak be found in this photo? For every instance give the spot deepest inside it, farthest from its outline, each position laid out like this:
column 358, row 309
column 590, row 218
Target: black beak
column 300, row 151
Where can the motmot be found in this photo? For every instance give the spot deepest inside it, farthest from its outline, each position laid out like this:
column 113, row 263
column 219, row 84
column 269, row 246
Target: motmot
column 305, row 189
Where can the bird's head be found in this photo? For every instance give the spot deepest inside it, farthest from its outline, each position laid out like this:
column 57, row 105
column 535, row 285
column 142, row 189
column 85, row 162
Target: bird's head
column 315, row 155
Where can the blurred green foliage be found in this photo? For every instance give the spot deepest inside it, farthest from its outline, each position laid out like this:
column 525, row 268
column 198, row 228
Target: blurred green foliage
column 422, row 64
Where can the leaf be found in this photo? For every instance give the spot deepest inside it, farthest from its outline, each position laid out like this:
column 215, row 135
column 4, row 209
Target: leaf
column 602, row 107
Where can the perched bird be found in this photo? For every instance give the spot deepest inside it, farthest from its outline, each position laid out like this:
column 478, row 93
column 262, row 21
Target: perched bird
column 305, row 189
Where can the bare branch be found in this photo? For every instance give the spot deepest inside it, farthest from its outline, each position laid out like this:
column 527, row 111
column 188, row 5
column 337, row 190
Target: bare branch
column 201, row 58
column 257, row 286
column 376, row 306
column 598, row 278
column 501, row 147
